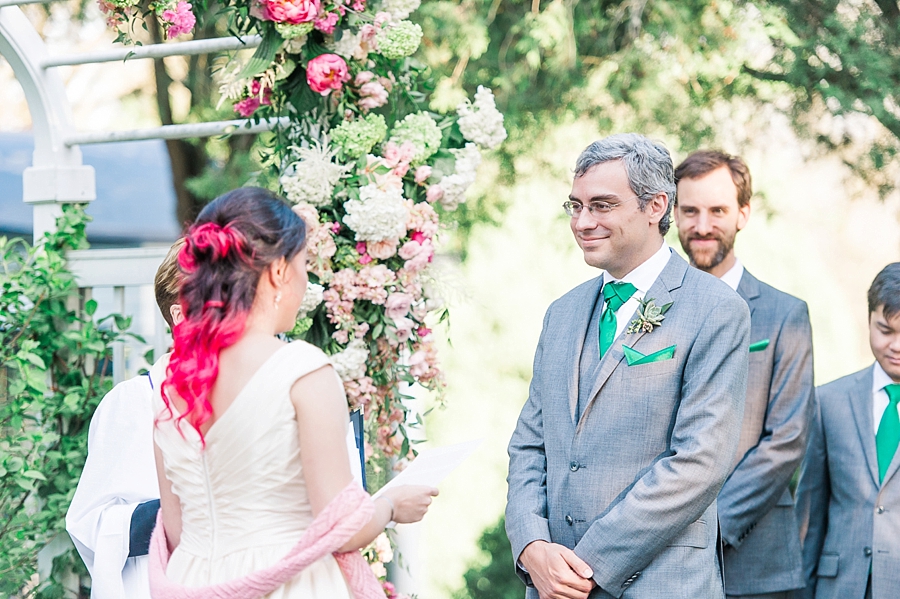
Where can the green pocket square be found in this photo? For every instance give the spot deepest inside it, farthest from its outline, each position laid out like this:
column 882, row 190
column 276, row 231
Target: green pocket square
column 636, row 358
column 759, row 345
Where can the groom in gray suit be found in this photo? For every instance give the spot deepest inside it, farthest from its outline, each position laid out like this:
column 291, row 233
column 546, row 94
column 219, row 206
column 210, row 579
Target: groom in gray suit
column 848, row 499
column 756, row 514
column 634, row 412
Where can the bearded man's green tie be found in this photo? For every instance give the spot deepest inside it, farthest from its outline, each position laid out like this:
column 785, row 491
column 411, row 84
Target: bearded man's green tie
column 614, row 296
column 888, row 436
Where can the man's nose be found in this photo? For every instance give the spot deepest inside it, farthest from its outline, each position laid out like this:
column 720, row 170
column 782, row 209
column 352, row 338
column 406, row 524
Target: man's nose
column 585, row 221
column 704, row 224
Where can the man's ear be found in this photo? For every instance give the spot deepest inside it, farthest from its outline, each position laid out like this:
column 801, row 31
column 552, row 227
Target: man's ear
column 743, row 216
column 657, row 207
column 176, row 313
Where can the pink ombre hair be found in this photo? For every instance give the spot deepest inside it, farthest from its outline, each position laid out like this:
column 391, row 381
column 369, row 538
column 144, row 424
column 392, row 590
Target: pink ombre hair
column 227, row 249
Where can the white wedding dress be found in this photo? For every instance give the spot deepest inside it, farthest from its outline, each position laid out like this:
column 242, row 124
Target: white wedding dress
column 243, row 498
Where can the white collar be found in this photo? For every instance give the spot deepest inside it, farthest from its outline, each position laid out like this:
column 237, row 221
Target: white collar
column 646, row 274
column 732, row 278
column 880, row 378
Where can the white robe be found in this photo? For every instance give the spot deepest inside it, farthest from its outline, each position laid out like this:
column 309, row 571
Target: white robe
column 120, row 474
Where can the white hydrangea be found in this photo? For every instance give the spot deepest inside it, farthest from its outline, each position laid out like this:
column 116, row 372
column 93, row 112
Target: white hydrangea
column 313, row 177
column 400, row 9
column 481, row 122
column 455, row 185
column 349, row 46
column 350, row 364
column 378, row 215
column 312, row 299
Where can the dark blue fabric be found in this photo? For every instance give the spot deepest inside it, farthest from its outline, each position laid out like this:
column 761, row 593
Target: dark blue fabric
column 356, row 417
column 143, row 519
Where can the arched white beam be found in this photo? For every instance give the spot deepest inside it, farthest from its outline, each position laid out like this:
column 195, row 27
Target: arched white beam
column 57, row 174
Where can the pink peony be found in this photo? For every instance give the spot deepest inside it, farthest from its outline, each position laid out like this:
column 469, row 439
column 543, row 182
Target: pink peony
column 326, row 72
column 292, row 12
column 178, row 21
column 258, row 97
column 382, row 250
column 397, row 305
column 372, row 95
column 326, row 24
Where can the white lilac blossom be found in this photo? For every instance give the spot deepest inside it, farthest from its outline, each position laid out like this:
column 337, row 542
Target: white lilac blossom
column 312, row 178
column 481, row 122
column 399, row 9
column 378, row 215
column 455, row 185
column 312, row 298
column 350, row 364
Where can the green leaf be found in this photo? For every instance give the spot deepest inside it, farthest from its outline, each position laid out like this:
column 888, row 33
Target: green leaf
column 264, row 55
column 34, row 474
column 90, row 307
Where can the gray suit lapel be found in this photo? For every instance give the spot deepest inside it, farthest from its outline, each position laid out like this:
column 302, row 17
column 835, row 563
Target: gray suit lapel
column 580, row 329
column 748, row 289
column 861, row 405
column 670, row 278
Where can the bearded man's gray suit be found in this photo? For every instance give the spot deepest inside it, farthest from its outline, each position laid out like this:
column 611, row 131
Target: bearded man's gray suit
column 756, row 513
column 628, row 477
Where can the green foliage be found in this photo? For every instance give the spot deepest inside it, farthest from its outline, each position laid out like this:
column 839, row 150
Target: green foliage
column 53, row 363
column 496, row 578
column 838, row 59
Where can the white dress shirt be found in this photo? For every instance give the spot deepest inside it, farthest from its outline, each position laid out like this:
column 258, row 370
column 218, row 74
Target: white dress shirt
column 732, row 278
column 642, row 278
column 880, row 400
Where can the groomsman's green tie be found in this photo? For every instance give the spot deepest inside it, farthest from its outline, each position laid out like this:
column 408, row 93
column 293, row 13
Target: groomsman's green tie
column 888, row 436
column 614, row 295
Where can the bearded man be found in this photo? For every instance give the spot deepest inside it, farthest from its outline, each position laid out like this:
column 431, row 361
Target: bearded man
column 759, row 529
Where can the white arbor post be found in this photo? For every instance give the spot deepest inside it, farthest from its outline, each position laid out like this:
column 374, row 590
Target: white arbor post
column 57, row 174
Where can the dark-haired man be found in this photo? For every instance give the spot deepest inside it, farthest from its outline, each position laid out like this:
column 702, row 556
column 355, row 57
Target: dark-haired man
column 758, row 525
column 848, row 500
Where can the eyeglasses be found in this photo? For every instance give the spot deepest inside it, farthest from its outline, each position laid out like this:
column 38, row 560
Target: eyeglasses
column 573, row 209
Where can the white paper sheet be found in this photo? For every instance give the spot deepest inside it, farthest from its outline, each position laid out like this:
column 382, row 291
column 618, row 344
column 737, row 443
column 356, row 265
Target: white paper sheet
column 432, row 466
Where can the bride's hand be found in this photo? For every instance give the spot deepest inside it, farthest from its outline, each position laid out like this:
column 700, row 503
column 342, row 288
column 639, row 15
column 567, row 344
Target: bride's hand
column 410, row 502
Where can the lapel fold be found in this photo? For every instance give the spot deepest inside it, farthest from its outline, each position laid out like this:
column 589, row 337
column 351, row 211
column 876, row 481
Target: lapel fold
column 580, row 328
column 860, row 399
column 748, row 289
column 671, row 278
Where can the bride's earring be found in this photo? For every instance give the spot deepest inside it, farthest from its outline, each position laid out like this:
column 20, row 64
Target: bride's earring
column 277, row 299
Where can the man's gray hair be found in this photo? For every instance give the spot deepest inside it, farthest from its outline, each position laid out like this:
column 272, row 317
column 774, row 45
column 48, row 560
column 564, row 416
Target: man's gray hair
column 648, row 166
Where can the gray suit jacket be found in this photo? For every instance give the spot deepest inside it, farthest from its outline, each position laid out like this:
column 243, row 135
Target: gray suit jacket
column 631, row 486
column 756, row 512
column 849, row 522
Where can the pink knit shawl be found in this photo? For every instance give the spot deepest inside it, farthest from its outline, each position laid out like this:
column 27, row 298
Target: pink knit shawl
column 348, row 512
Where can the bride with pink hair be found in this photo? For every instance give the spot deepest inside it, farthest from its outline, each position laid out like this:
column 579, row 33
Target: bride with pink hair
column 257, row 495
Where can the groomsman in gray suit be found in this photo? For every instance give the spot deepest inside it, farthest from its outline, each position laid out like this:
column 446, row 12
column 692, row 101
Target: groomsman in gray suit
column 756, row 514
column 635, row 406
column 848, row 500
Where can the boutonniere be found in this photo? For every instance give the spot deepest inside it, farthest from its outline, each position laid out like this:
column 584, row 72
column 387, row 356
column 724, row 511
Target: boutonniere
column 649, row 316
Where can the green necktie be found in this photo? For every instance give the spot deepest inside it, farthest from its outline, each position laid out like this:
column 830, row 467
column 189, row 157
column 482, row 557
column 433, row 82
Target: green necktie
column 888, row 436
column 614, row 296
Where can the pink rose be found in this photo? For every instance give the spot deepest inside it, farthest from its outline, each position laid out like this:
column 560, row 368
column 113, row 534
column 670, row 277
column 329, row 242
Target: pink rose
column 326, row 72
column 418, row 237
column 365, row 259
column 382, row 250
column 372, row 95
column 363, row 77
column 397, row 305
column 422, row 173
column 434, row 193
column 292, row 12
column 403, row 328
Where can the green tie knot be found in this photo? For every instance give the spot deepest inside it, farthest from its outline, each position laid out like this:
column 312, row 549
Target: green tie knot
column 893, row 393
column 616, row 294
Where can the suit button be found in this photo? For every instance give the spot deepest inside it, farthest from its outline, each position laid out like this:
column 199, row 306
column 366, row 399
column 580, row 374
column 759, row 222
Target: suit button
column 879, row 509
column 569, row 520
column 867, row 551
column 574, row 466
